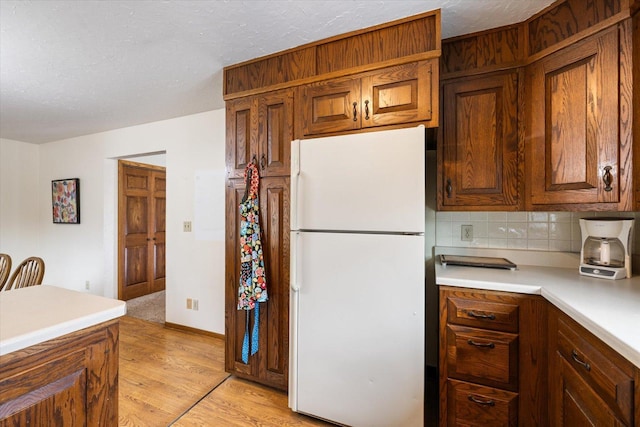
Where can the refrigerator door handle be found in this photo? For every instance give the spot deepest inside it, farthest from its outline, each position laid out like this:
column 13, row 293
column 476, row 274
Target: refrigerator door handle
column 295, row 175
column 294, row 269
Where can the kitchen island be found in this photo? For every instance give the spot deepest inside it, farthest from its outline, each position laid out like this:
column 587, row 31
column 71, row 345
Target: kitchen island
column 58, row 357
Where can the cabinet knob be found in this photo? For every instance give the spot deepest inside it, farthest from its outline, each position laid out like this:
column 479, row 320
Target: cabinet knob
column 449, row 188
column 607, row 178
column 355, row 112
column 366, row 110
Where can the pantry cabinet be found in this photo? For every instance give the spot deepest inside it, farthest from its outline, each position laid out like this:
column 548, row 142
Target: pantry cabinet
column 261, row 128
column 590, row 384
column 391, row 96
column 479, row 144
column 573, row 139
column 492, row 358
column 270, row 364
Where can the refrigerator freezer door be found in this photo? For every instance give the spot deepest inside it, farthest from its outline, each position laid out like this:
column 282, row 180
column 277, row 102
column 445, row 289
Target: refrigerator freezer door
column 359, row 328
column 365, row 182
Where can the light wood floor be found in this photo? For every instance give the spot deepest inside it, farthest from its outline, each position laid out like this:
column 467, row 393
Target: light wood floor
column 171, row 377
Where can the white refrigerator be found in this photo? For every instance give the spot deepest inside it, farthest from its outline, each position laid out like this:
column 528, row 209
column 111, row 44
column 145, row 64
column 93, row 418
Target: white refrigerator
column 357, row 308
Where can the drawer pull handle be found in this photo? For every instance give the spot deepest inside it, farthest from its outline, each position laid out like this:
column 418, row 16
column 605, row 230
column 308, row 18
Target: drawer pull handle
column 574, row 356
column 481, row 344
column 481, row 316
column 355, row 112
column 483, row 402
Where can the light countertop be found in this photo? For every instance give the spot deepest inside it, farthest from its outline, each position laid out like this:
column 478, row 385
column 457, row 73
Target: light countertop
column 610, row 309
column 36, row 314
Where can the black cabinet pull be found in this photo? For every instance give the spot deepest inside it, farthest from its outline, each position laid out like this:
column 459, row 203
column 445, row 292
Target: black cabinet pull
column 490, row 316
column 607, row 178
column 449, row 189
column 481, row 344
column 483, row 402
column 574, row 356
column 366, row 110
column 263, row 162
column 355, row 112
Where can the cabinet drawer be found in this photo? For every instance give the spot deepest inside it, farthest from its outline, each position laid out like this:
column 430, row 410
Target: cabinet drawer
column 474, row 405
column 597, row 368
column 497, row 316
column 481, row 356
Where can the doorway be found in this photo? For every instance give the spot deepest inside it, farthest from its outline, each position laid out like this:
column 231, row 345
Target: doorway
column 141, row 229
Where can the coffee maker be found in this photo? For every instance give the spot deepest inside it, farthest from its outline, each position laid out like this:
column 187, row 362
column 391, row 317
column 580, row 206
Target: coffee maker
column 606, row 246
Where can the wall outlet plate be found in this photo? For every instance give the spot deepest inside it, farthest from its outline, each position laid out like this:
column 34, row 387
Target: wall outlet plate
column 466, row 233
column 186, row 226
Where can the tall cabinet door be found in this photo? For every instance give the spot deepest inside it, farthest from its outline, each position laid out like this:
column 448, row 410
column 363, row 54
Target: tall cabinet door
column 270, row 364
column 480, row 143
column 573, row 124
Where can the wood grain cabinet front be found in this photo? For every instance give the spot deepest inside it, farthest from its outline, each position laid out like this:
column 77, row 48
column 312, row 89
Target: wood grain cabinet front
column 590, row 384
column 71, row 380
column 390, row 96
column 492, row 358
column 270, row 365
column 479, row 148
column 260, row 127
column 573, row 143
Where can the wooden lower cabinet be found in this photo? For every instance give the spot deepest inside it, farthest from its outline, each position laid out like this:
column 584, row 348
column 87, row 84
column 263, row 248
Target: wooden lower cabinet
column 270, row 364
column 67, row 381
column 590, row 384
column 493, row 365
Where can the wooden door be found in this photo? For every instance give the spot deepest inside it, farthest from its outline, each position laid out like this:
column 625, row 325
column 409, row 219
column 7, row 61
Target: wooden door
column 242, row 132
column 275, row 133
column 479, row 144
column 270, row 365
column 141, row 229
column 399, row 95
column 572, row 146
column 331, row 106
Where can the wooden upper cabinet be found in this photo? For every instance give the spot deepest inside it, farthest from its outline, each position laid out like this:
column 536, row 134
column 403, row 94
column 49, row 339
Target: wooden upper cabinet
column 390, row 96
column 573, row 140
column 479, row 166
column 260, row 127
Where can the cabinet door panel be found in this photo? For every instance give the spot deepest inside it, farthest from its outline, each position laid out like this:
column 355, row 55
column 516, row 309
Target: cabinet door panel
column 573, row 149
column 235, row 321
column 274, row 314
column 480, row 142
column 275, row 124
column 398, row 95
column 331, row 106
column 242, row 130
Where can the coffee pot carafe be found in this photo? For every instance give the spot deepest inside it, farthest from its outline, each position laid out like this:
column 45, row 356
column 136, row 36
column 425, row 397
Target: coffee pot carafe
column 606, row 246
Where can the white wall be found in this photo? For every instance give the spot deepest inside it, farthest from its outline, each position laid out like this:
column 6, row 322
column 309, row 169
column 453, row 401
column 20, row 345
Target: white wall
column 19, row 215
column 193, row 147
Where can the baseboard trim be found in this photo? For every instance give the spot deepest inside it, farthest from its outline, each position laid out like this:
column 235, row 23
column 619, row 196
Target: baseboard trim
column 190, row 329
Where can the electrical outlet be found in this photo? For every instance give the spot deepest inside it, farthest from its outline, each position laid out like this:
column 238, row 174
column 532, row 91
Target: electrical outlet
column 87, row 285
column 195, row 305
column 467, row 233
column 189, row 303
column 186, row 226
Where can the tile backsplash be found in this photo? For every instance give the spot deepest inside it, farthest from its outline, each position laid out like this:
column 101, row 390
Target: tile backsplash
column 543, row 231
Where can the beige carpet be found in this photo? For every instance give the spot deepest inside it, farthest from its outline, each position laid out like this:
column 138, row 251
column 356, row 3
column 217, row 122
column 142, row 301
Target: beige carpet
column 148, row 307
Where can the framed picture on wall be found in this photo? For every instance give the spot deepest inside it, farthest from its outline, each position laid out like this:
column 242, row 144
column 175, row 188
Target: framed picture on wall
column 65, row 200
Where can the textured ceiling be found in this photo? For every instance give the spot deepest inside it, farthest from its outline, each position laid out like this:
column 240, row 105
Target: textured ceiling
column 71, row 68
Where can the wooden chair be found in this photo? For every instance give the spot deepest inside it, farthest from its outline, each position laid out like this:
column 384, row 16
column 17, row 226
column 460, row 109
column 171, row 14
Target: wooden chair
column 29, row 273
column 5, row 269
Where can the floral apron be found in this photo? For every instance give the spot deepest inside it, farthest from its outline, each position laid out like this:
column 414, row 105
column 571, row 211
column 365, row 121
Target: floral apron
column 253, row 286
